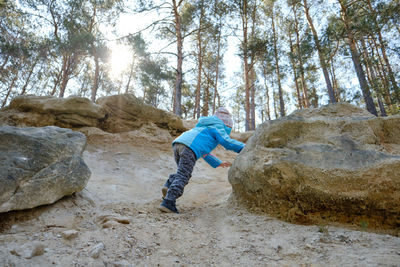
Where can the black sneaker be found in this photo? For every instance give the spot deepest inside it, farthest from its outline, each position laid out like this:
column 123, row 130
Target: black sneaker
column 168, row 206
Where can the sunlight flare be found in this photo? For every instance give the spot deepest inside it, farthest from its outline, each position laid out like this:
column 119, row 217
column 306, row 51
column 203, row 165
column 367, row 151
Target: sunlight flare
column 121, row 58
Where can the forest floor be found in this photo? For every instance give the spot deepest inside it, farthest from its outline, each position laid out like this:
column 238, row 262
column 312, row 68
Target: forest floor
column 115, row 221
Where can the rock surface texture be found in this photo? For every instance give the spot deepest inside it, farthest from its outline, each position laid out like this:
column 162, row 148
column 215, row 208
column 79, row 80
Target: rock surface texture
column 41, row 111
column 337, row 163
column 113, row 114
column 39, row 166
column 126, row 113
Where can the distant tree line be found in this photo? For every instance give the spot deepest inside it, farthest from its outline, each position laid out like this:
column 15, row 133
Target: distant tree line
column 298, row 53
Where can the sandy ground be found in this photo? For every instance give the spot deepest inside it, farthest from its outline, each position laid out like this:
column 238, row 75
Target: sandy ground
column 114, row 221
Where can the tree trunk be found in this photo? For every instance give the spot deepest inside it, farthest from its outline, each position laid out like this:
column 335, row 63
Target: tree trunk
column 372, row 77
column 321, row 55
column 246, row 67
column 278, row 74
column 252, row 99
column 217, row 70
column 68, row 61
column 357, row 64
column 303, row 80
column 266, row 93
column 9, row 90
column 4, row 63
column 96, row 77
column 196, row 112
column 56, row 82
column 253, row 73
column 334, row 82
column 206, row 99
column 379, row 70
column 179, row 74
column 385, row 57
column 275, row 105
column 381, row 106
column 299, row 98
column 23, row 91
column 128, row 84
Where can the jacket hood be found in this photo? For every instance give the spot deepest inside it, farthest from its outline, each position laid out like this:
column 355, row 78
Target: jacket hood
column 213, row 121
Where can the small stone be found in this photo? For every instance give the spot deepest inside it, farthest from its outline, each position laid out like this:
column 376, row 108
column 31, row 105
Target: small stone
column 123, row 220
column 96, row 250
column 69, row 234
column 110, row 224
column 29, row 251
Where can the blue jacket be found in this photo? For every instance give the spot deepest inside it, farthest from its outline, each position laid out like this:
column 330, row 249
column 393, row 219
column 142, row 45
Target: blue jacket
column 208, row 133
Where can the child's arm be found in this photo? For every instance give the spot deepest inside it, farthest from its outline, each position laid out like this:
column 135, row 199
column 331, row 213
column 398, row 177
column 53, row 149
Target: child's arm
column 227, row 142
column 212, row 160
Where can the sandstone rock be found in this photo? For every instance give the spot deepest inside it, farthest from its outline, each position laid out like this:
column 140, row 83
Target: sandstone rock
column 149, row 132
column 69, row 234
column 109, row 221
column 189, row 124
column 242, row 137
column 29, row 250
column 39, row 166
column 127, row 113
column 335, row 163
column 40, row 111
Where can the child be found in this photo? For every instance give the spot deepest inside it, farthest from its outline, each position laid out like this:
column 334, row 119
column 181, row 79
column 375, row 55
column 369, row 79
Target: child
column 193, row 144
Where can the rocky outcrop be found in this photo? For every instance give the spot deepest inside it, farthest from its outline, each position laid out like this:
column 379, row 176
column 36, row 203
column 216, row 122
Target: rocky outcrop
column 38, row 111
column 114, row 114
column 336, row 163
column 126, row 113
column 242, row 137
column 39, row 166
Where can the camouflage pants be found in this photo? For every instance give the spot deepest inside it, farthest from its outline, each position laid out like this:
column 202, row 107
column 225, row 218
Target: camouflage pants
column 185, row 159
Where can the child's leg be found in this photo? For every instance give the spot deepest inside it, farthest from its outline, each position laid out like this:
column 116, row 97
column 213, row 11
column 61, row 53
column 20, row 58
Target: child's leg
column 172, row 176
column 181, row 178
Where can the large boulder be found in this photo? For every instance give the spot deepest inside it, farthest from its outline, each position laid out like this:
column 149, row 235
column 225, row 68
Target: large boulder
column 39, row 166
column 335, row 163
column 41, row 111
column 127, row 113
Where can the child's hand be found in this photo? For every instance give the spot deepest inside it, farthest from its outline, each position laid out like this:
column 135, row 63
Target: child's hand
column 225, row 164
